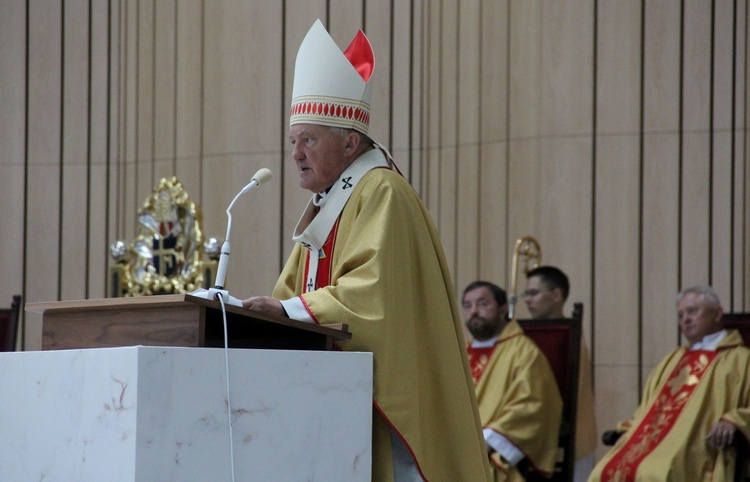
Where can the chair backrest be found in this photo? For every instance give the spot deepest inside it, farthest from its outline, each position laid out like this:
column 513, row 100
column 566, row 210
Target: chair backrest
column 9, row 318
column 741, row 323
column 560, row 341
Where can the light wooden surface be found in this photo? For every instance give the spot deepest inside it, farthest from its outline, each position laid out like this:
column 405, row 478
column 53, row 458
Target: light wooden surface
column 173, row 320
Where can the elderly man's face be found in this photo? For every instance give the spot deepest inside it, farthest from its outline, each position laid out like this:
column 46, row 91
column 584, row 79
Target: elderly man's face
column 484, row 317
column 320, row 155
column 697, row 319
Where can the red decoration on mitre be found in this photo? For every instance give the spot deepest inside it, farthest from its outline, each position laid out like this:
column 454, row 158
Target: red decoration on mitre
column 360, row 54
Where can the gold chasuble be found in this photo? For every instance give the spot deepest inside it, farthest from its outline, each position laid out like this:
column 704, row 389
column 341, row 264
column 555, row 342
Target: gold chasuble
column 383, row 272
column 685, row 395
column 519, row 399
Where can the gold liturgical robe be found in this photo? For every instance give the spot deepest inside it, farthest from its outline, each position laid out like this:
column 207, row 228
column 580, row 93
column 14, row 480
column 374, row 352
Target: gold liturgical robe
column 518, row 398
column 705, row 388
column 389, row 282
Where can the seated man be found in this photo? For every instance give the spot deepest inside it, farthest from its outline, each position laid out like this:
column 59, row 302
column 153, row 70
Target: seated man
column 547, row 289
column 693, row 404
column 519, row 404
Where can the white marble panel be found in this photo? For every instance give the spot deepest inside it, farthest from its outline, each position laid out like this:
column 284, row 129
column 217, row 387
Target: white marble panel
column 148, row 413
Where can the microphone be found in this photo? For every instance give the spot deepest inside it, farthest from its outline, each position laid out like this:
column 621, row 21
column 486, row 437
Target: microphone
column 259, row 178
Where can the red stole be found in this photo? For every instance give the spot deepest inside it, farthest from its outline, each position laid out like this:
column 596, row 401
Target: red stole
column 478, row 358
column 661, row 417
column 323, row 276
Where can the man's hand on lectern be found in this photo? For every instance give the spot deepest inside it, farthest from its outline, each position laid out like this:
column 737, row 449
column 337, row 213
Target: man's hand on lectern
column 264, row 304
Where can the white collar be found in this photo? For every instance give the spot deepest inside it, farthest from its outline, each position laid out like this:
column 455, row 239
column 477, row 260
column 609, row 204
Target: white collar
column 709, row 342
column 485, row 343
column 319, row 199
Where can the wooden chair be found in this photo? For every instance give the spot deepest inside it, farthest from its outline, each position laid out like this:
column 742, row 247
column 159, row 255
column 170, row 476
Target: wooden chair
column 741, row 323
column 9, row 319
column 560, row 341
column 731, row 321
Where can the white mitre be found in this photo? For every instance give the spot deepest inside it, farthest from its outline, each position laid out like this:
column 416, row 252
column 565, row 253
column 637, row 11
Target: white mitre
column 331, row 87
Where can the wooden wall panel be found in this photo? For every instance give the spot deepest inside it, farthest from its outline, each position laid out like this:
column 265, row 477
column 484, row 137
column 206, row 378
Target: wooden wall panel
column 242, row 132
column 563, row 211
column 447, row 211
column 345, row 18
column 695, row 202
column 567, row 68
column 144, row 91
column 400, row 83
column 740, row 275
column 97, row 141
column 115, row 135
column 42, row 238
column 494, row 245
column 74, row 171
column 164, row 89
column 468, row 201
column 432, row 107
column 378, row 26
column 524, row 106
column 416, row 96
column 721, row 150
column 545, row 153
column 129, row 198
column 617, row 207
column 565, row 154
column 661, row 175
column 629, row 163
column 12, row 155
column 188, row 94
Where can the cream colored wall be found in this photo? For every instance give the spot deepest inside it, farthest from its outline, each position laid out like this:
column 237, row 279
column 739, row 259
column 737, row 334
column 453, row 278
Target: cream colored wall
column 613, row 132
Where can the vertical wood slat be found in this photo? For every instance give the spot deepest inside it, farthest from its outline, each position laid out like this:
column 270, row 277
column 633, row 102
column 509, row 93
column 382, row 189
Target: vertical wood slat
column 12, row 139
column 75, row 128
column 524, row 110
column 721, row 155
column 129, row 196
column 494, row 245
column 98, row 187
column 144, row 168
column 416, row 96
column 400, row 84
column 696, row 205
column 617, row 205
column 376, row 18
column 661, row 166
column 164, row 89
column 468, row 199
column 432, row 112
column 42, row 276
column 448, row 131
column 242, row 129
column 188, row 95
column 741, row 243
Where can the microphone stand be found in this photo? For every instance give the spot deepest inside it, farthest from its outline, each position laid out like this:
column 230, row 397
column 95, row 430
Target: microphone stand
column 218, row 290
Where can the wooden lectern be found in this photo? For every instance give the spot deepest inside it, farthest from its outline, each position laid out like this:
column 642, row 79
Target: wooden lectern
column 177, row 320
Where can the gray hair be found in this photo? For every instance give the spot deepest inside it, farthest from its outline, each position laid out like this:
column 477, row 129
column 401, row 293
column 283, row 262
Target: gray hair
column 364, row 140
column 707, row 293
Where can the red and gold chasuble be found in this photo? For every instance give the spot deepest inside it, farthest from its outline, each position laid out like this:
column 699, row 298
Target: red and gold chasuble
column 661, row 417
column 478, row 358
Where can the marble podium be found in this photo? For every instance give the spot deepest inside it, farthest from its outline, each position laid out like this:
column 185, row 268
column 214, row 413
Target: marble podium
column 160, row 414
